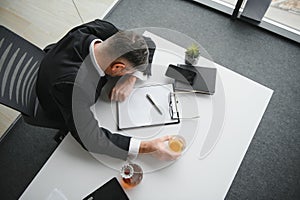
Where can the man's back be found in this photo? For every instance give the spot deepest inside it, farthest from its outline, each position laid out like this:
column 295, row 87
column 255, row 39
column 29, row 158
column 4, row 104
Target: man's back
column 63, row 60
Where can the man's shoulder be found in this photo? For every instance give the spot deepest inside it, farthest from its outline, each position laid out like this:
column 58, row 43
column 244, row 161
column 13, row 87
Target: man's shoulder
column 96, row 27
column 107, row 23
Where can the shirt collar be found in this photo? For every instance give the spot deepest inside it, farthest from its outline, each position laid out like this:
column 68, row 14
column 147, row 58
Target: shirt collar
column 93, row 58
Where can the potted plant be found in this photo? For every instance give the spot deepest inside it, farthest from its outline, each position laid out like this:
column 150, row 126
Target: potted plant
column 192, row 54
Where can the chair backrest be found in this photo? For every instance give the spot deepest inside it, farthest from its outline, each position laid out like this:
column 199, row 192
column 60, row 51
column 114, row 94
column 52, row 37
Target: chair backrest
column 19, row 64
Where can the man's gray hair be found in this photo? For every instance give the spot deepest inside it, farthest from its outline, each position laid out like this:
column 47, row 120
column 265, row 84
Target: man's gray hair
column 131, row 46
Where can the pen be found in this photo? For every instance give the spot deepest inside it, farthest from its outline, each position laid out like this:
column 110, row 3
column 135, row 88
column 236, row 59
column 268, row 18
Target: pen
column 152, row 102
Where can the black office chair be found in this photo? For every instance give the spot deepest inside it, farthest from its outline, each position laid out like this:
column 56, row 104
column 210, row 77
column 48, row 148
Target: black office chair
column 19, row 64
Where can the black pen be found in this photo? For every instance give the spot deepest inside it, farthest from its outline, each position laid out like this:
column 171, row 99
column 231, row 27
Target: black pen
column 152, row 102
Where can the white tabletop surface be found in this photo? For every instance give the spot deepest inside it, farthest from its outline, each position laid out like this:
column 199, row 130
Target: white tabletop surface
column 196, row 175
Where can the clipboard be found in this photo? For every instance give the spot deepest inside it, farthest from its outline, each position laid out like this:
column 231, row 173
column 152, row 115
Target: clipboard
column 136, row 111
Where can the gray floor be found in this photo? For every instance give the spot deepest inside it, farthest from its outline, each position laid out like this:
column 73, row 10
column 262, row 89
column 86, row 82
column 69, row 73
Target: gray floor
column 270, row 169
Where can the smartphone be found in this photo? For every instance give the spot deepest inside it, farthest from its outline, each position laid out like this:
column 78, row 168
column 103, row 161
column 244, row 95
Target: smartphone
column 181, row 74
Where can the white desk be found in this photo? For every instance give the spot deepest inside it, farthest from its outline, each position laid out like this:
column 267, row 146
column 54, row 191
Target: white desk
column 76, row 173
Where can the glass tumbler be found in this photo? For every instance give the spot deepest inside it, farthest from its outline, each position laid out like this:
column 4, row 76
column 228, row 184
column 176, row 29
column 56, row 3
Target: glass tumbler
column 177, row 143
column 131, row 175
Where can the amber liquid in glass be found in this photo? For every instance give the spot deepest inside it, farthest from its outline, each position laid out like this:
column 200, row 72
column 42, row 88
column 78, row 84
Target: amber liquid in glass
column 131, row 174
column 177, row 143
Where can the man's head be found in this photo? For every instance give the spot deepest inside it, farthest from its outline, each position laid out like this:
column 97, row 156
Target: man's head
column 127, row 52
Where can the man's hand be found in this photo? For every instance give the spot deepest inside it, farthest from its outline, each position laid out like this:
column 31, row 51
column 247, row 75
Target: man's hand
column 159, row 149
column 123, row 88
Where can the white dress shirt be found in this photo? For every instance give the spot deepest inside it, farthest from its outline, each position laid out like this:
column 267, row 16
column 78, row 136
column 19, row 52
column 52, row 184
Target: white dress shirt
column 134, row 145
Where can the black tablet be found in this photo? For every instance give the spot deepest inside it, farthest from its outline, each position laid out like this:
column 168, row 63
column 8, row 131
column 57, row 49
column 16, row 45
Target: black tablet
column 111, row 190
column 204, row 81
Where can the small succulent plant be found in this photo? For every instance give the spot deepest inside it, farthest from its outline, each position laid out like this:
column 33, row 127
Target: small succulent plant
column 192, row 54
column 193, row 51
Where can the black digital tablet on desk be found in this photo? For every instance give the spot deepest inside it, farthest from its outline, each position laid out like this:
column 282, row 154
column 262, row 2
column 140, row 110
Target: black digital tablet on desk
column 193, row 78
column 111, row 190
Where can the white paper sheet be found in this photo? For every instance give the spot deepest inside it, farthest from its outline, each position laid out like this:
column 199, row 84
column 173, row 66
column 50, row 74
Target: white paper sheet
column 137, row 111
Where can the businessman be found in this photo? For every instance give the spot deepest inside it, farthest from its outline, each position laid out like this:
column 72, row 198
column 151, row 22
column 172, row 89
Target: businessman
column 73, row 73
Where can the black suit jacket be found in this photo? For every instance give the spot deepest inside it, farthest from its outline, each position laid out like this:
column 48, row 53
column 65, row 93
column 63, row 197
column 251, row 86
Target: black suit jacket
column 67, row 85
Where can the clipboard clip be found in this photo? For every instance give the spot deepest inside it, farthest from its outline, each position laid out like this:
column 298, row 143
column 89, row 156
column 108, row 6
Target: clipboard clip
column 173, row 106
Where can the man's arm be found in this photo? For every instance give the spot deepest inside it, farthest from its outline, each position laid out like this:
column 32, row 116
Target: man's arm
column 84, row 127
column 123, row 88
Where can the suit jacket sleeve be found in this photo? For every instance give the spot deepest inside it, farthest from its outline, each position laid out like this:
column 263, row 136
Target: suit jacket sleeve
column 82, row 124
